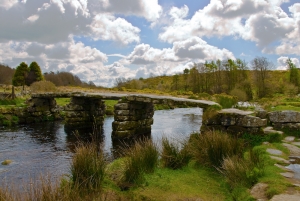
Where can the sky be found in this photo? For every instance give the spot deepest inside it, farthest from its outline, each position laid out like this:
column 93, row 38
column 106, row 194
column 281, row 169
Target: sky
column 101, row 40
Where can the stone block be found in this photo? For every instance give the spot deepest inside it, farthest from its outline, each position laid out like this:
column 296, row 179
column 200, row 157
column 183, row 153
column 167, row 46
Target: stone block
column 124, row 125
column 286, row 116
column 236, row 129
column 122, row 112
column 123, row 134
column 122, row 106
column 251, row 121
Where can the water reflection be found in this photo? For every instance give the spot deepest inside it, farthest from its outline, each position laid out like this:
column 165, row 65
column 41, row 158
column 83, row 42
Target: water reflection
column 46, row 148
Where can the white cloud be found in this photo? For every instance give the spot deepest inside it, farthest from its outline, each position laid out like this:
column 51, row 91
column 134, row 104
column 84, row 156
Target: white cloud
column 282, row 63
column 196, row 48
column 108, row 27
column 149, row 9
column 263, row 22
column 55, row 21
column 7, row 4
column 179, row 13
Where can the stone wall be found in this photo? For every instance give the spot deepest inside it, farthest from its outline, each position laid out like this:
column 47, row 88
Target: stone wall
column 132, row 118
column 84, row 112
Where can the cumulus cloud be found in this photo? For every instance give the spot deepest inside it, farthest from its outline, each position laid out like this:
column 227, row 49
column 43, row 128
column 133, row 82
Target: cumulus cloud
column 108, row 27
column 263, row 22
column 150, row 10
column 55, row 21
column 282, row 63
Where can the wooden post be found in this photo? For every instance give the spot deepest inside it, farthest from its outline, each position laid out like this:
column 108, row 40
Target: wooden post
column 13, row 95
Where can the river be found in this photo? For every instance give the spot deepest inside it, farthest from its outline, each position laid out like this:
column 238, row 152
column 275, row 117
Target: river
column 46, row 148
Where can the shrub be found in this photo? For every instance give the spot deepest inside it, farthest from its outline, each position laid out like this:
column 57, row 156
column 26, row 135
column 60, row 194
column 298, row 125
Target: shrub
column 204, row 95
column 88, row 166
column 42, row 86
column 240, row 94
column 226, row 101
column 211, row 147
column 172, row 157
column 141, row 158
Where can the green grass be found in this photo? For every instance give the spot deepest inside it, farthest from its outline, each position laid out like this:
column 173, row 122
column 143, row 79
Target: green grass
column 62, row 101
column 9, row 103
column 189, row 183
column 285, row 107
column 110, row 106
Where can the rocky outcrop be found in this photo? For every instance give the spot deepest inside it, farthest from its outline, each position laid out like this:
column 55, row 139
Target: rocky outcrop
column 235, row 121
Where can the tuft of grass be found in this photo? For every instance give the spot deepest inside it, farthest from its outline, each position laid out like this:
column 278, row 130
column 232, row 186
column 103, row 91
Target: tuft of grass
column 244, row 171
column 88, row 166
column 172, row 156
column 211, row 147
column 141, row 158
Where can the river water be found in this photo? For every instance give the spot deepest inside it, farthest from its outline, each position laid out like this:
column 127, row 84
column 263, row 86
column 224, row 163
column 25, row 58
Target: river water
column 46, row 148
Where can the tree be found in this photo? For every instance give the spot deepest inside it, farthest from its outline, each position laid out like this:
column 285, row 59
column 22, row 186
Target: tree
column 35, row 74
column 175, row 81
column 261, row 66
column 6, row 73
column 293, row 72
column 20, row 75
column 185, row 76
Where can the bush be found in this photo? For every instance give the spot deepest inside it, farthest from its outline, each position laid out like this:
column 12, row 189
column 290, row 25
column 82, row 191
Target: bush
column 88, row 166
column 42, row 86
column 141, row 158
column 172, row 157
column 240, row 94
column 211, row 147
column 226, row 101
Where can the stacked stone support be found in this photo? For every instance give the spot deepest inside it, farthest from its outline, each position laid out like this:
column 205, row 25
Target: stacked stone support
column 40, row 109
column 83, row 112
column 133, row 118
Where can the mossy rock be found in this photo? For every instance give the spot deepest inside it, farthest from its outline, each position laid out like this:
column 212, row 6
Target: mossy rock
column 6, row 162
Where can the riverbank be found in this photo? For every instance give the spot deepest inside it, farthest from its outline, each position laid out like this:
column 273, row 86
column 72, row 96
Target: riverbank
column 194, row 180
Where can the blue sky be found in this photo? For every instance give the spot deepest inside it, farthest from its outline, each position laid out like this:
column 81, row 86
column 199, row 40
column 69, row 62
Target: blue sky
column 101, row 40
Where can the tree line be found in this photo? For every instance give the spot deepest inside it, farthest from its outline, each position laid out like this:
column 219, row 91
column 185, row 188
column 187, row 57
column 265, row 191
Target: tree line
column 235, row 77
column 26, row 75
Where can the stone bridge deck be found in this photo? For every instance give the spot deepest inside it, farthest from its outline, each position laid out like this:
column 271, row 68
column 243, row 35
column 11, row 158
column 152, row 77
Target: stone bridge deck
column 156, row 99
column 133, row 114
